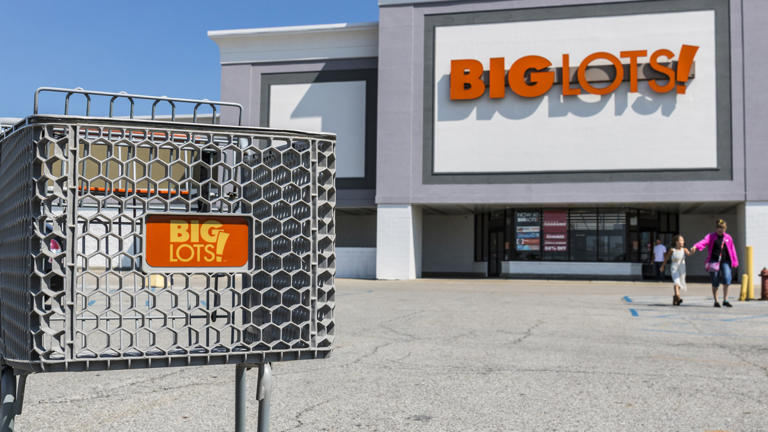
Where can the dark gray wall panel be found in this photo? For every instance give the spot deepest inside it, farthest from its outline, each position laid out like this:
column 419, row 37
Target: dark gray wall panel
column 236, row 87
column 396, row 113
column 355, row 230
column 755, row 92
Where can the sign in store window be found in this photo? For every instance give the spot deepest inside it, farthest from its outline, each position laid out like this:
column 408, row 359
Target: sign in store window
column 528, row 231
column 555, row 227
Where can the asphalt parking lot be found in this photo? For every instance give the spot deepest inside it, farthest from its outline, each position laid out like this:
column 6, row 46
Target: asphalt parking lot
column 466, row 355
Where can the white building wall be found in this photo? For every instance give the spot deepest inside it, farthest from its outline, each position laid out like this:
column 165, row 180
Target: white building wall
column 398, row 234
column 356, row 262
column 305, row 107
column 565, row 268
column 294, row 43
column 449, row 244
column 756, row 235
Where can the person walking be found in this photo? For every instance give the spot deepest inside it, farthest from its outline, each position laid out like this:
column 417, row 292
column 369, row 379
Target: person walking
column 721, row 259
column 658, row 258
column 677, row 253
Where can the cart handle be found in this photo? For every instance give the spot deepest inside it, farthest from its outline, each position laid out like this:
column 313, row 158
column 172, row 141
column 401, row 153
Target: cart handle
column 157, row 99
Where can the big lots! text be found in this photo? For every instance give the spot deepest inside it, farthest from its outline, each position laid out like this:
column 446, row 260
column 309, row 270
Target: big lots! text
column 532, row 76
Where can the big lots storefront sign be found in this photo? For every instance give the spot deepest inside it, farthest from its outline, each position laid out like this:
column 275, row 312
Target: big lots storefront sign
column 532, row 75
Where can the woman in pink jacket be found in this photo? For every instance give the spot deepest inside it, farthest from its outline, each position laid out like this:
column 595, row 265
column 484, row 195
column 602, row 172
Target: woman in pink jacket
column 720, row 260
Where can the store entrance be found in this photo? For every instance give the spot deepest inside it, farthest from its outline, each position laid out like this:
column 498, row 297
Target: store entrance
column 495, row 252
column 648, row 241
column 646, row 253
column 504, row 239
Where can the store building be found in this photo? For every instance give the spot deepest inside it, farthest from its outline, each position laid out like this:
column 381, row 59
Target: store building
column 524, row 137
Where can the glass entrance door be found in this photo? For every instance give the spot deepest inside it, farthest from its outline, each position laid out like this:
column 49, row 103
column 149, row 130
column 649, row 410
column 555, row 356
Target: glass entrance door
column 495, row 252
column 647, row 239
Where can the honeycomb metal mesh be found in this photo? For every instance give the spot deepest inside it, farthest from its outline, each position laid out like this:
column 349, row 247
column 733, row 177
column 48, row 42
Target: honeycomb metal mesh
column 73, row 291
column 16, row 246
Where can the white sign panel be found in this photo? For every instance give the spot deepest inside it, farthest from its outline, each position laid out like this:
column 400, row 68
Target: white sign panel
column 620, row 131
column 337, row 107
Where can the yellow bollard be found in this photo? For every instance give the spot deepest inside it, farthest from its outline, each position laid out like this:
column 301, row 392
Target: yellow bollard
column 744, row 283
column 751, row 273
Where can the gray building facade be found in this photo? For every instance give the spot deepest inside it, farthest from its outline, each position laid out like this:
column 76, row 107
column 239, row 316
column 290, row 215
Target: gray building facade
column 559, row 184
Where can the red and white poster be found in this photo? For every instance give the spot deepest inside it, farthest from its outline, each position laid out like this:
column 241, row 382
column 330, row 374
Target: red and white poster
column 555, row 230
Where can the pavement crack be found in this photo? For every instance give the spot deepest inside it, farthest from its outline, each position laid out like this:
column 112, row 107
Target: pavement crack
column 399, row 318
column 112, row 393
column 528, row 333
column 300, row 414
column 399, row 333
column 370, row 354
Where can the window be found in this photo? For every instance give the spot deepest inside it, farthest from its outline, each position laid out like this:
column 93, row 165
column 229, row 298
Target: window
column 509, row 234
column 583, row 234
column 674, row 223
column 481, row 236
column 484, row 245
column 612, row 236
column 663, row 222
column 634, row 243
column 554, row 235
column 528, row 234
column 579, row 234
column 478, row 237
column 648, row 219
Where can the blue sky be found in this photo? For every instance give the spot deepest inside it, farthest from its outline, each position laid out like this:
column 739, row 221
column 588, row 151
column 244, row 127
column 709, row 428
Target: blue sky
column 146, row 47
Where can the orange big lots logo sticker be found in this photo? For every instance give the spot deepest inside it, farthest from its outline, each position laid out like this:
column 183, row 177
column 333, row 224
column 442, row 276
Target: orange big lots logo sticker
column 196, row 241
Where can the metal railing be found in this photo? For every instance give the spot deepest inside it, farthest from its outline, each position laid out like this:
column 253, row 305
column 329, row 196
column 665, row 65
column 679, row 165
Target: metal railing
column 131, row 98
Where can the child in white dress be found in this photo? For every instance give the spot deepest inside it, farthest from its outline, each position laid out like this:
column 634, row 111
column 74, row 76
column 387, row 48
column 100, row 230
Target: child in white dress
column 677, row 253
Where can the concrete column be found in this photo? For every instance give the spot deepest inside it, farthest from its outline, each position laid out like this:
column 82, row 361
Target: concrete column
column 756, row 234
column 398, row 241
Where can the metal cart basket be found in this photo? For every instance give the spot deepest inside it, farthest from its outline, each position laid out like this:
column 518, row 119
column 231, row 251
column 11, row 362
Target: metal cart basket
column 79, row 288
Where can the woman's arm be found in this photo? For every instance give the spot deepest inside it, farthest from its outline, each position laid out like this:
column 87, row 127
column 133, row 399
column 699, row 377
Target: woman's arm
column 702, row 244
column 732, row 253
column 687, row 252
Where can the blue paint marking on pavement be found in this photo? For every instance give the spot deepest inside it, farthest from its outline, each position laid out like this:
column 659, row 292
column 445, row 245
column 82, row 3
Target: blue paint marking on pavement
column 667, row 316
column 627, row 299
column 633, row 312
column 700, row 317
column 731, row 336
column 202, row 302
column 745, row 318
column 91, row 303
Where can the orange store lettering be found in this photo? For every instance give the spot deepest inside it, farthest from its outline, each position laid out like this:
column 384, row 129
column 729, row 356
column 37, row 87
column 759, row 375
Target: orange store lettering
column 212, row 247
column 533, row 76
